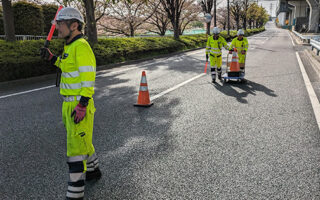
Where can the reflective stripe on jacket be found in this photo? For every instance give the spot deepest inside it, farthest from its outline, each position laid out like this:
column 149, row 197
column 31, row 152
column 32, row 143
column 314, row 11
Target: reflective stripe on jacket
column 239, row 45
column 214, row 46
column 78, row 66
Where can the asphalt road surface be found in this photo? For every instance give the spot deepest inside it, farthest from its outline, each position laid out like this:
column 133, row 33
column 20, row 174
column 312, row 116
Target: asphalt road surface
column 254, row 140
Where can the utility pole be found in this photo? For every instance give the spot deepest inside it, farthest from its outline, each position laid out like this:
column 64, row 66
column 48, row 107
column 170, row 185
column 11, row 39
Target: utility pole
column 215, row 12
column 228, row 7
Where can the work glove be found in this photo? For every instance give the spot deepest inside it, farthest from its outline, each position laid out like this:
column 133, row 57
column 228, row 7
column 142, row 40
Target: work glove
column 207, row 57
column 46, row 54
column 79, row 113
column 243, row 51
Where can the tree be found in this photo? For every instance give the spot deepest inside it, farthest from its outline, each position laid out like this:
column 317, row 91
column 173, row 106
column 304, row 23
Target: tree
column 206, row 6
column 159, row 21
column 8, row 20
column 126, row 17
column 236, row 9
column 173, row 9
column 91, row 22
column 190, row 13
column 252, row 14
column 263, row 17
column 222, row 15
column 246, row 5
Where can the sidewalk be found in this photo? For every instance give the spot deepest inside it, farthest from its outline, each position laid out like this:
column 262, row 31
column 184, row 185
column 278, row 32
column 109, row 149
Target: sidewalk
column 305, row 49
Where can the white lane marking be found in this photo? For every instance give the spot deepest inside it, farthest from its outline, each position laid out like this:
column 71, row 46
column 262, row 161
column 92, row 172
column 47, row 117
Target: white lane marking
column 312, row 95
column 131, row 68
column 175, row 87
column 115, row 72
column 100, row 75
column 28, row 91
column 291, row 39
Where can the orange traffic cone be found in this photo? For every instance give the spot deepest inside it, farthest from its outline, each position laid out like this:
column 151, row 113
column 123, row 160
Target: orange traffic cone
column 143, row 98
column 234, row 65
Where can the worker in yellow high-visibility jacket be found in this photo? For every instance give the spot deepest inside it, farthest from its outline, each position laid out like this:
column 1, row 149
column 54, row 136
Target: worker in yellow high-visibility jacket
column 241, row 44
column 78, row 66
column 213, row 48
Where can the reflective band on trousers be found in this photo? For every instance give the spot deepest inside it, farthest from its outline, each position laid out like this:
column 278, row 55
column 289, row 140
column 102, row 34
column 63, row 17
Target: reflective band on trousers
column 75, row 86
column 143, row 88
column 86, row 69
column 74, row 177
column 71, row 98
column 75, row 189
column 77, row 158
column 70, row 74
column 75, row 195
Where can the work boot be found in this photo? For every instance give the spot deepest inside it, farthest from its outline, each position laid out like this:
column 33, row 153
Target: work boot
column 219, row 73
column 242, row 71
column 96, row 174
column 213, row 80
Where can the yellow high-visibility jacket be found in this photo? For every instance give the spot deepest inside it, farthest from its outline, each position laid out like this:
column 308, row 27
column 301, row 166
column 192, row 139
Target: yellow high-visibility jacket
column 239, row 45
column 78, row 66
column 214, row 46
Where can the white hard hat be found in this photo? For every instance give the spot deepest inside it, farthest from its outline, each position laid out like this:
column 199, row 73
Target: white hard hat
column 240, row 32
column 215, row 30
column 69, row 13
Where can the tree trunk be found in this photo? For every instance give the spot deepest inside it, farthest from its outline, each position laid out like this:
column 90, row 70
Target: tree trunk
column 91, row 22
column 245, row 23
column 237, row 23
column 176, row 30
column 8, row 20
column 208, row 28
column 131, row 31
column 176, row 21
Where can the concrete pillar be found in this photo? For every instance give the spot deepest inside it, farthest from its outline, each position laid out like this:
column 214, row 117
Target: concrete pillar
column 314, row 15
column 282, row 18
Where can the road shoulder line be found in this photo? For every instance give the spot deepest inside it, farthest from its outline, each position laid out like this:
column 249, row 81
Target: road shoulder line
column 312, row 95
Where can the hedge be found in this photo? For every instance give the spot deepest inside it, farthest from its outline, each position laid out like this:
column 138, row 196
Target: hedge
column 28, row 18
column 21, row 59
column 49, row 11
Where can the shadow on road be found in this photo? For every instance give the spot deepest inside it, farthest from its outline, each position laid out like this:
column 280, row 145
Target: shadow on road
column 249, row 87
column 127, row 139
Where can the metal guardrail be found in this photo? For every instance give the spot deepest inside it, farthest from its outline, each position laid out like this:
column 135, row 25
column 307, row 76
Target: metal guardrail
column 304, row 38
column 315, row 44
column 27, row 37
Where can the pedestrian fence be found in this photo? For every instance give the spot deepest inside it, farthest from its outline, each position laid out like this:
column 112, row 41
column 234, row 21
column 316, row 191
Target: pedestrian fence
column 27, row 37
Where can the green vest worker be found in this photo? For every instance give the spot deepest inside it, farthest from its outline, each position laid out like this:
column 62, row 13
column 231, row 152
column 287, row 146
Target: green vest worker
column 241, row 44
column 214, row 46
column 78, row 66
